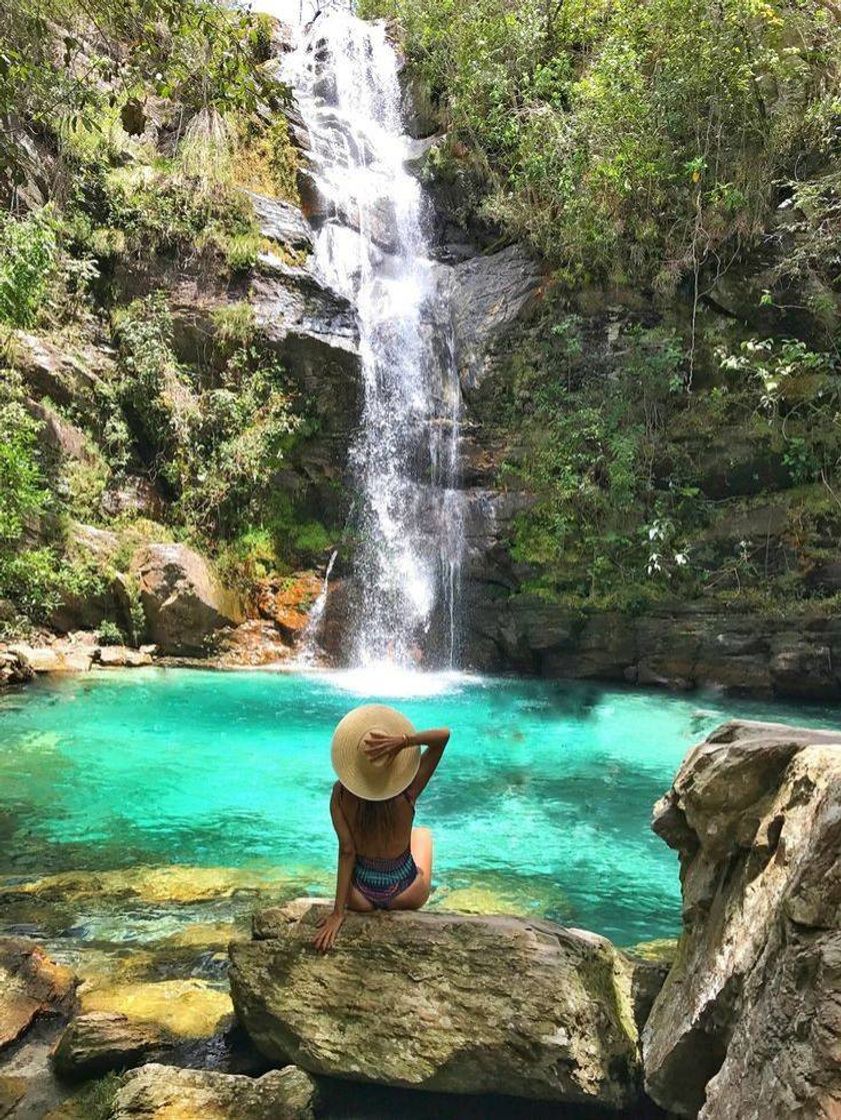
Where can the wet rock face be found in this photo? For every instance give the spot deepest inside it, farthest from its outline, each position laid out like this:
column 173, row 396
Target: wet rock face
column 489, row 294
column 158, row 1092
column 31, row 985
column 184, row 604
column 281, row 221
column 747, row 1023
column 460, row 1004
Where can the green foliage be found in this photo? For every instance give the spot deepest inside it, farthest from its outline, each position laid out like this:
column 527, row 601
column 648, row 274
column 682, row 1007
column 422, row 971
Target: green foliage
column 203, row 55
column 798, row 392
column 22, row 490
column 29, row 579
column 95, row 1101
column 28, row 252
column 627, row 141
column 215, row 447
column 608, row 500
column 83, row 483
column 109, row 634
column 249, row 557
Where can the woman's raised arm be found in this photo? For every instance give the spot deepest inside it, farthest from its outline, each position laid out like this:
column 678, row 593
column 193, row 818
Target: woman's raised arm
column 378, row 745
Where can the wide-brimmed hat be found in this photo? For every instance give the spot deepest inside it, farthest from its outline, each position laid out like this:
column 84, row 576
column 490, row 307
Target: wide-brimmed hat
column 379, row 779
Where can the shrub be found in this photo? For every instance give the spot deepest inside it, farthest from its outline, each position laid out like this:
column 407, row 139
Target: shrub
column 109, row 633
column 628, row 141
column 28, row 255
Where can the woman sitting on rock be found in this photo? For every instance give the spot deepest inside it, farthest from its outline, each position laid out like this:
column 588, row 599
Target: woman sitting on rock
column 384, row 863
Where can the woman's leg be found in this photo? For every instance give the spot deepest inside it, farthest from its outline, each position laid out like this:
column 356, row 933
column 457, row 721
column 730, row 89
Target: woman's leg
column 357, row 900
column 416, row 895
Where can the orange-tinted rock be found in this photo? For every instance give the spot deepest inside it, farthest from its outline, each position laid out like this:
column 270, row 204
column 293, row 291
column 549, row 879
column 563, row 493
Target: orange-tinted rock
column 287, row 601
column 30, row 985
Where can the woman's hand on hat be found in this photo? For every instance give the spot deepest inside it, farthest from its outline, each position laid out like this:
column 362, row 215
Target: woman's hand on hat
column 379, row 745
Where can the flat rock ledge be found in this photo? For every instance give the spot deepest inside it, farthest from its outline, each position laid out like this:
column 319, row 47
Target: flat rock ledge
column 748, row 1023
column 445, row 1002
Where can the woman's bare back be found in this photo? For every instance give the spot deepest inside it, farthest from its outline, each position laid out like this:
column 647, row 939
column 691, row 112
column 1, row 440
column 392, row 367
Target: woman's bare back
column 389, row 844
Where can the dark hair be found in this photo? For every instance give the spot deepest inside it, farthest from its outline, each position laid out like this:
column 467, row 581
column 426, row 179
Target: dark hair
column 375, row 819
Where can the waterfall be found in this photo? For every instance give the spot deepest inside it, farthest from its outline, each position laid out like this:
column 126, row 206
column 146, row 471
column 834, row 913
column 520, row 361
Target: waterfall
column 371, row 247
column 309, row 645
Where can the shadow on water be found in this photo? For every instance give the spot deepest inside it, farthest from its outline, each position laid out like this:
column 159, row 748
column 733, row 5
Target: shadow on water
column 349, row 1101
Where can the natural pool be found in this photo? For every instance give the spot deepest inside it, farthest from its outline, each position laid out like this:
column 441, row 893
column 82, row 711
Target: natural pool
column 542, row 803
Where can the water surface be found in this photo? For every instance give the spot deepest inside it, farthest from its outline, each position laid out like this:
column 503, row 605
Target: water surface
column 541, row 805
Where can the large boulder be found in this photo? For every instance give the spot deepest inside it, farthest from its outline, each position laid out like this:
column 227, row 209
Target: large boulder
column 747, row 1024
column 158, row 1092
column 445, row 1002
column 14, row 668
column 31, row 985
column 183, row 602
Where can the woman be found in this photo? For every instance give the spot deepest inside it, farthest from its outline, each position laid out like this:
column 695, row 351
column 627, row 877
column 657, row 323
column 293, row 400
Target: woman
column 384, row 863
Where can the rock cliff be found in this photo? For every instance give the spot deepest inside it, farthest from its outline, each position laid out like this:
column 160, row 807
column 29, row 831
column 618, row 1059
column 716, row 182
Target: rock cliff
column 747, row 1024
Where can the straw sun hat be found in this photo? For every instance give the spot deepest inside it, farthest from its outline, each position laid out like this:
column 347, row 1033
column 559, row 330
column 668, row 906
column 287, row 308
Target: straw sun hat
column 373, row 780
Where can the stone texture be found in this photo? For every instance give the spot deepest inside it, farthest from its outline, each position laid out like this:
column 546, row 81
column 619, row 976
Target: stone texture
column 488, row 295
column 281, row 221
column 183, row 602
column 100, row 1041
column 15, row 668
column 747, row 1024
column 30, row 985
column 69, row 372
column 59, row 657
column 186, row 1009
column 12, row 1090
column 158, row 1092
column 122, row 657
column 679, row 646
column 459, row 1004
column 181, row 884
column 135, row 496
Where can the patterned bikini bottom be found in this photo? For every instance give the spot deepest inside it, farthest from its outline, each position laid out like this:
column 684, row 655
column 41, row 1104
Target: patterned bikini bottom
column 381, row 880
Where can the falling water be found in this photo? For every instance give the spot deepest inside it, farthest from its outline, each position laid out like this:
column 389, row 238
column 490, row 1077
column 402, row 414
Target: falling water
column 371, row 247
column 309, row 644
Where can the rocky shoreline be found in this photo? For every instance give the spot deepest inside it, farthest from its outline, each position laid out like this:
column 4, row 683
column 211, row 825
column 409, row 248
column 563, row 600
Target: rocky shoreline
column 740, row 1022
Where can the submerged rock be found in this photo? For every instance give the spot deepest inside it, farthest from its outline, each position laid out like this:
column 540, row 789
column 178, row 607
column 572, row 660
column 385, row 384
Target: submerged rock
column 443, row 1002
column 176, row 884
column 747, row 1023
column 187, row 1009
column 12, row 1090
column 183, row 602
column 158, row 1092
column 31, row 985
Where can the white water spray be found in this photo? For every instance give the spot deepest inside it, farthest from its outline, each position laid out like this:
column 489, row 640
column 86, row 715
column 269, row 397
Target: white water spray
column 309, row 645
column 371, row 248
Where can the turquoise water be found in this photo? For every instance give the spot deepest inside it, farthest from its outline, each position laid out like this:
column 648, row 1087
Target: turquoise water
column 541, row 805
